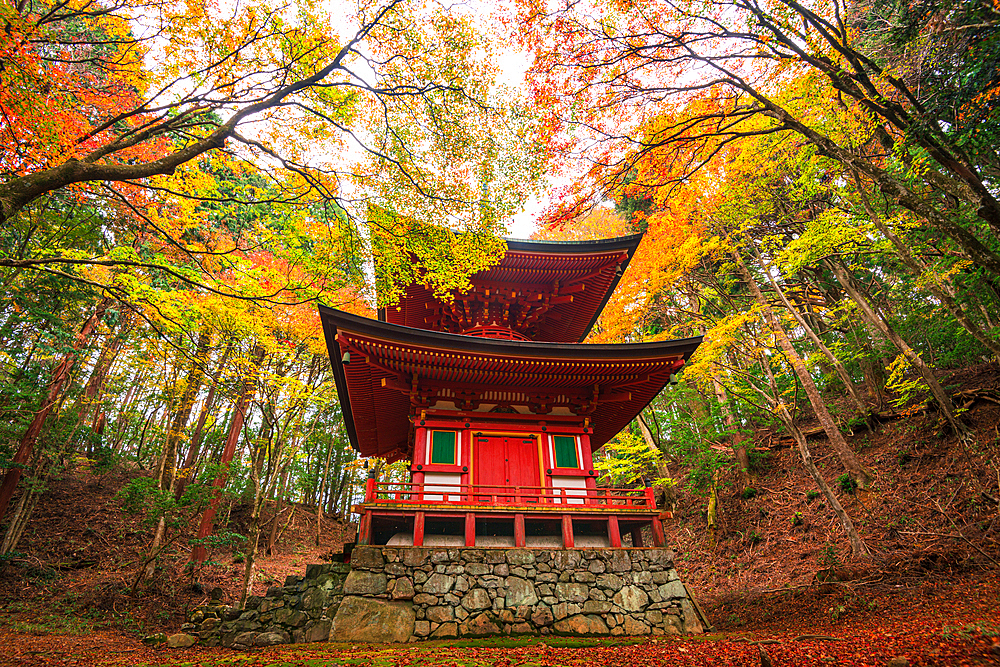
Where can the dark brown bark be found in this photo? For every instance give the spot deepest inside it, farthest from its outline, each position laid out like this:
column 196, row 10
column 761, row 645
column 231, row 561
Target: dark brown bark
column 59, row 377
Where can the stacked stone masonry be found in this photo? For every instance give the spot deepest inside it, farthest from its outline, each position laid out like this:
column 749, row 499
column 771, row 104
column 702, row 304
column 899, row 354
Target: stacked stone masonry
column 300, row 611
column 399, row 594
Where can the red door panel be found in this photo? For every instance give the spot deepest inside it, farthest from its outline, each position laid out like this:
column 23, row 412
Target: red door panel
column 489, row 461
column 523, row 465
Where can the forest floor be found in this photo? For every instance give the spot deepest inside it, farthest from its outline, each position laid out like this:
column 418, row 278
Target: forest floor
column 774, row 575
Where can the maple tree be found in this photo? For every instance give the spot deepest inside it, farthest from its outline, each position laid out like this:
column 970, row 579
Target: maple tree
column 685, row 80
column 294, row 124
column 170, row 156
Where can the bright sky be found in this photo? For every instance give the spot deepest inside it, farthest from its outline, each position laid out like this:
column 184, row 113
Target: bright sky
column 513, row 65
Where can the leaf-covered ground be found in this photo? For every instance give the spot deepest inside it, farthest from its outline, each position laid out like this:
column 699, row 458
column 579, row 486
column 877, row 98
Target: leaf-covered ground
column 955, row 622
column 930, row 594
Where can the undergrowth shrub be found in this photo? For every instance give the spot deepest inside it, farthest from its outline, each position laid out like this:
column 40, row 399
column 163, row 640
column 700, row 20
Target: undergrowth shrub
column 847, row 483
column 759, row 461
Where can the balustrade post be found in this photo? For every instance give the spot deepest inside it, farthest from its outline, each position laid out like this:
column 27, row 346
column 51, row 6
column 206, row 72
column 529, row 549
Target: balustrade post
column 370, row 487
column 650, row 496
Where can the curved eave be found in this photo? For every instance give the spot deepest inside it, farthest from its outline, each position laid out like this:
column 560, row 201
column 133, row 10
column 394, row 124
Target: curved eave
column 392, row 408
column 528, row 349
column 626, row 244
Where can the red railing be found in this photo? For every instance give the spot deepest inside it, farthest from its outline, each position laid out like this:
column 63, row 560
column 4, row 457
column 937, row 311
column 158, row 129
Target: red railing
column 495, row 331
column 485, row 495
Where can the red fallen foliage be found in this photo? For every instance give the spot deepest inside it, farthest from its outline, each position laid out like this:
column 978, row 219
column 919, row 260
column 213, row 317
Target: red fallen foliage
column 956, row 623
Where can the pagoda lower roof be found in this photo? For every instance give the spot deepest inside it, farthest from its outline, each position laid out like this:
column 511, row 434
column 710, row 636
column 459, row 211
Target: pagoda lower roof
column 558, row 287
column 395, row 371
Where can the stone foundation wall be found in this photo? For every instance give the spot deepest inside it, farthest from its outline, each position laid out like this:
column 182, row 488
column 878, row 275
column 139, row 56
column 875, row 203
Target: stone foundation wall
column 300, row 611
column 399, row 593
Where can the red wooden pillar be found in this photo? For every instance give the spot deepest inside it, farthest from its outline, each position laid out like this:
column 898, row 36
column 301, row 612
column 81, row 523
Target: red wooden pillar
column 466, row 454
column 547, row 465
column 365, row 529
column 567, row 531
column 419, row 458
column 519, row 539
column 614, row 535
column 659, row 539
column 418, row 529
column 370, row 487
column 470, row 529
column 588, row 464
column 637, row 537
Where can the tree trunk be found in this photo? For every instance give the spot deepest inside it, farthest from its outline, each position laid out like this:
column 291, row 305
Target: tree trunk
column 59, row 377
column 95, row 384
column 874, row 372
column 844, row 452
column 837, row 365
column 256, row 465
column 736, row 437
column 654, row 447
column 25, row 507
column 191, row 388
column 206, row 409
column 278, row 507
column 239, row 415
column 943, row 291
column 322, row 488
column 876, row 319
column 168, row 461
column 857, row 546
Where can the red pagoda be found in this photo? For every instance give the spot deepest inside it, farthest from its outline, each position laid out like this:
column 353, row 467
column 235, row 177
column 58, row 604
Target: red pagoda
column 498, row 406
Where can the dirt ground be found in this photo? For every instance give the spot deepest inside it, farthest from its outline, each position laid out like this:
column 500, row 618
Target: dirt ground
column 949, row 623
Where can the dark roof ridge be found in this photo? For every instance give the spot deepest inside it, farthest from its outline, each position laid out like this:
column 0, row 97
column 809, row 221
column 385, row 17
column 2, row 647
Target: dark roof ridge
column 612, row 243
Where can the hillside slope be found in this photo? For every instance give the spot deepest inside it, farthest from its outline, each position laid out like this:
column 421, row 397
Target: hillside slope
column 778, row 552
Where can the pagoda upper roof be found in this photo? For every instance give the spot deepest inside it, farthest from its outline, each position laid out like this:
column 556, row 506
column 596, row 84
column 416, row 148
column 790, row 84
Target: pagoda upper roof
column 546, row 290
column 394, row 372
